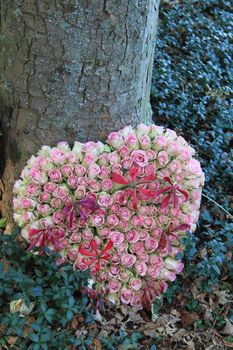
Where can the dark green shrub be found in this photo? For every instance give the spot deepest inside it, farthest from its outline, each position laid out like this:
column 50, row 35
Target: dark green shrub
column 53, row 290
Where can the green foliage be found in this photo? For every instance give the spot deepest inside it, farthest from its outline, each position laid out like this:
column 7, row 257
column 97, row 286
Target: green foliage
column 192, row 93
column 53, row 290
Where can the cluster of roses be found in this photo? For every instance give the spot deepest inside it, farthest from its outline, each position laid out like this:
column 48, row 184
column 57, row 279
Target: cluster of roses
column 118, row 209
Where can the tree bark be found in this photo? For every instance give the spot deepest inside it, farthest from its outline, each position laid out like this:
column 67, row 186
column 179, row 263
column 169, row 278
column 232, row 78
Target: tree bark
column 71, row 70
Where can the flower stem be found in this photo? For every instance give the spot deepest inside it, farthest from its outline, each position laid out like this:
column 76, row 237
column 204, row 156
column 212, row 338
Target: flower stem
column 218, row 205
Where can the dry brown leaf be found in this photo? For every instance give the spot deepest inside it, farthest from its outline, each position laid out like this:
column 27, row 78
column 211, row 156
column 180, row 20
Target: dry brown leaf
column 11, row 340
column 224, row 297
column 229, row 345
column 228, row 329
column 97, row 344
column 188, row 318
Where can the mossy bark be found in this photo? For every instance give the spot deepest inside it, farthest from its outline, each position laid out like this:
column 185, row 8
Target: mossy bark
column 71, row 70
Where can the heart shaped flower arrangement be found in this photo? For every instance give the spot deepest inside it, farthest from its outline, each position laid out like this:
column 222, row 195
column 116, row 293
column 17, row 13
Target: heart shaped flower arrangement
column 118, row 209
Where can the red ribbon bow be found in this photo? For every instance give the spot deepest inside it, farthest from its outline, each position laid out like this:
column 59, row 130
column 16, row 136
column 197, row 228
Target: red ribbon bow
column 172, row 192
column 165, row 239
column 45, row 237
column 96, row 255
column 133, row 184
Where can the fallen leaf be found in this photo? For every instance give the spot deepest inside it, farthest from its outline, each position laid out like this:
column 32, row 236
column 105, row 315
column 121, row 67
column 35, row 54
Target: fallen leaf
column 228, row 329
column 11, row 340
column 188, row 318
column 97, row 344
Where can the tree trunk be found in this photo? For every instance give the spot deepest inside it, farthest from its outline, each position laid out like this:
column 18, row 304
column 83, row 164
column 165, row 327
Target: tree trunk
column 71, row 70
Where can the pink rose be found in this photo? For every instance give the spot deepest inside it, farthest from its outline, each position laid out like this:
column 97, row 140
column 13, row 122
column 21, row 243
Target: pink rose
column 104, row 232
column 112, row 220
column 150, row 169
column 87, row 235
column 160, row 141
column 174, row 265
column 137, row 221
column 156, row 232
column 167, row 275
column 132, row 236
column 55, row 175
column 124, row 276
column 105, row 200
column 26, row 203
column 119, row 197
column 71, row 157
column 193, row 167
column 75, row 237
column 143, row 129
column 103, row 159
column 94, row 170
column 80, row 192
column 32, row 189
column 115, row 139
column 135, row 283
column 137, row 247
column 44, row 197
column 163, row 158
column 88, row 159
column 81, row 264
column 151, row 154
column 37, row 175
column 175, row 166
column 83, row 181
column 114, row 286
column 140, row 158
column 184, row 154
column 57, row 156
column 64, row 146
column 144, row 235
column 43, row 209
column 94, row 185
column 56, row 203
column 124, row 151
column 153, row 272
column 141, row 268
column 113, row 158
column 144, row 210
column 72, row 254
column 148, row 222
column 41, row 162
column 66, row 170
column 151, row 244
column 132, row 141
column 114, row 270
column 126, row 295
column 115, row 208
column 156, row 261
column 117, row 237
column 61, row 192
column 106, row 184
column 123, row 225
column 170, row 134
column 73, row 182
column 115, row 259
column 145, row 142
column 97, row 219
column 125, row 213
column 104, row 172
column 49, row 187
column 144, row 257
column 58, row 217
column 127, row 163
column 80, row 170
column 101, row 277
column 128, row 260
